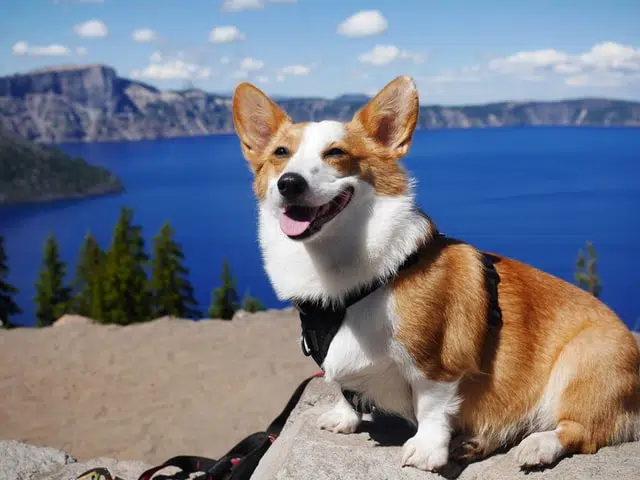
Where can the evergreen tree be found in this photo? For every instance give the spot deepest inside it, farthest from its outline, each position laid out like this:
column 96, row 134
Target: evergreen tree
column 52, row 296
column 224, row 299
column 8, row 306
column 586, row 275
column 89, row 296
column 251, row 304
column 172, row 293
column 126, row 294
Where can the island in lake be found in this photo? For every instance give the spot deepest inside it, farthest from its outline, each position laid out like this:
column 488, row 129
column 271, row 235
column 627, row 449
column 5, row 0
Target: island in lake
column 31, row 172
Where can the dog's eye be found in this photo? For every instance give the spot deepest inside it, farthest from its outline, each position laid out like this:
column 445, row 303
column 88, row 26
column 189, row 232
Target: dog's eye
column 281, row 152
column 334, row 152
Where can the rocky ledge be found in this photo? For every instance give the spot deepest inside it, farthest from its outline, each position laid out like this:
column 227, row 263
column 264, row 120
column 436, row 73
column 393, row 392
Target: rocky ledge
column 304, row 452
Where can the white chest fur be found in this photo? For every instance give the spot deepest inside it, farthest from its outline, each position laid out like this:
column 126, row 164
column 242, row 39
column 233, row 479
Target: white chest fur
column 365, row 357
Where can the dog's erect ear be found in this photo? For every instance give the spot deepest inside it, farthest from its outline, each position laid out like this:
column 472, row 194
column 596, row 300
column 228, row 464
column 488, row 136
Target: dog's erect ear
column 391, row 116
column 256, row 119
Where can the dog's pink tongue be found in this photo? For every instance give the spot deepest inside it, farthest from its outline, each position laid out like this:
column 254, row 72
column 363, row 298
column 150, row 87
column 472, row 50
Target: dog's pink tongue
column 294, row 223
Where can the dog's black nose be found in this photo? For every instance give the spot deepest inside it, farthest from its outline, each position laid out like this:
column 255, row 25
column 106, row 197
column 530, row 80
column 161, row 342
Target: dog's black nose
column 292, row 185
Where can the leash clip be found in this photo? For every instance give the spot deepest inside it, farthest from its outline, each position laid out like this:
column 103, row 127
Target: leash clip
column 305, row 347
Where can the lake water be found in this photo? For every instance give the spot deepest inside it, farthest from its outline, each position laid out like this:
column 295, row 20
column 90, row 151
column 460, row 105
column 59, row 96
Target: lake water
column 534, row 194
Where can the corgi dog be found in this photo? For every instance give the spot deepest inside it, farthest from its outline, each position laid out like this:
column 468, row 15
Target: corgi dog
column 336, row 213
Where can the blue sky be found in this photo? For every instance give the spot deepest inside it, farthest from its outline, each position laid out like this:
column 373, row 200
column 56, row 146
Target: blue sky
column 459, row 51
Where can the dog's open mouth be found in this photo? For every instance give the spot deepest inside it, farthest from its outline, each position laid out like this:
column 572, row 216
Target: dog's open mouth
column 298, row 221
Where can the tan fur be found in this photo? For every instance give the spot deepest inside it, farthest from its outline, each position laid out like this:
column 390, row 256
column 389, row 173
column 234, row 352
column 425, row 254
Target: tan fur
column 558, row 344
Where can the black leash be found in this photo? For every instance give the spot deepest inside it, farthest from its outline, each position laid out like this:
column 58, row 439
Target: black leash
column 240, row 462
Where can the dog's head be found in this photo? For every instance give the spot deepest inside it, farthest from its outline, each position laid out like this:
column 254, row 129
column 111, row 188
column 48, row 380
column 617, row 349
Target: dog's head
column 307, row 175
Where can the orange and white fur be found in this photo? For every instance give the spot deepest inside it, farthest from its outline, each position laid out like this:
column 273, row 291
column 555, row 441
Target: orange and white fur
column 562, row 374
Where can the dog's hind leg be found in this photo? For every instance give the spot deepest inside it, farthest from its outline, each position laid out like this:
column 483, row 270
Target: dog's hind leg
column 593, row 395
column 342, row 418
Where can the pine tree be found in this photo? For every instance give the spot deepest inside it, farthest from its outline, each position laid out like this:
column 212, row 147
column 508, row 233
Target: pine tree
column 171, row 291
column 251, row 304
column 224, row 299
column 8, row 306
column 89, row 296
column 52, row 296
column 126, row 294
column 586, row 275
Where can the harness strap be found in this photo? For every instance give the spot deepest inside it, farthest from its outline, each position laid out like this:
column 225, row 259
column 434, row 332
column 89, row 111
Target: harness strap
column 492, row 279
column 319, row 324
column 239, row 462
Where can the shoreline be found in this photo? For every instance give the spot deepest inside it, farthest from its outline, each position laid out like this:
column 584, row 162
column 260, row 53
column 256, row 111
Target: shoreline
column 223, row 133
column 58, row 198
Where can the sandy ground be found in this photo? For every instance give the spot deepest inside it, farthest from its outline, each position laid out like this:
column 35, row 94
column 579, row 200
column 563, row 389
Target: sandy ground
column 151, row 391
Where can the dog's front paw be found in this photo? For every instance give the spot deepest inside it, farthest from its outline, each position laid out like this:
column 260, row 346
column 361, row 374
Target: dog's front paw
column 339, row 420
column 421, row 452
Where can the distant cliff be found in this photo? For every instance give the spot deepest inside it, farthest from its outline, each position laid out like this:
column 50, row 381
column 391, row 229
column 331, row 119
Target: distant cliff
column 91, row 103
column 35, row 173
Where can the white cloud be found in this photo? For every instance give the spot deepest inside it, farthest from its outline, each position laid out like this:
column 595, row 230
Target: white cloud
column 91, row 29
column 602, row 80
column 52, row 50
column 156, row 57
column 225, row 60
column 81, row 51
column 262, row 79
column 249, row 64
column 567, row 68
column 280, row 78
column 173, row 69
column 295, row 70
column 364, row 23
column 606, row 64
column 385, row 54
column 239, row 5
column 612, row 56
column 144, row 35
column 225, row 34
column 20, row 48
column 527, row 61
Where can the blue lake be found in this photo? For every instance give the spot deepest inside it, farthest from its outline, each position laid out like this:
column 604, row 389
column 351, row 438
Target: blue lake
column 534, row 194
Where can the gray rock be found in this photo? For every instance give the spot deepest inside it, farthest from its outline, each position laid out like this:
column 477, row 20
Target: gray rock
column 20, row 461
column 304, row 452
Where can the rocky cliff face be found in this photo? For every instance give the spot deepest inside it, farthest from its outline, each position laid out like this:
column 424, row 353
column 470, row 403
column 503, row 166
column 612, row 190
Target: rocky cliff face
column 91, row 103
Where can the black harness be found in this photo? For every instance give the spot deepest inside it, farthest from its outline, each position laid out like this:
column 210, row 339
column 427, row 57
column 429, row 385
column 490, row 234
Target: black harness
column 320, row 324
